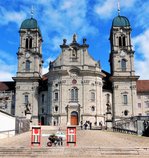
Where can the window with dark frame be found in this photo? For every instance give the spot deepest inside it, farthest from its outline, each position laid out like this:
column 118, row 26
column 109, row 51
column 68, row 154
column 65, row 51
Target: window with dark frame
column 26, row 99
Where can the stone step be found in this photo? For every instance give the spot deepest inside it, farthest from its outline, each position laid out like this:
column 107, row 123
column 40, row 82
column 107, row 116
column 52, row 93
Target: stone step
column 72, row 152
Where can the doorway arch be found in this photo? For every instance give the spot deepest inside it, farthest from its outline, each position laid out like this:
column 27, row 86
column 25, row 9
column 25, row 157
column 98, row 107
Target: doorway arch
column 74, row 118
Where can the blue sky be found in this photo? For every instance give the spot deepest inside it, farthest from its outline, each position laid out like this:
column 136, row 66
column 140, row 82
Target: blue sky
column 60, row 19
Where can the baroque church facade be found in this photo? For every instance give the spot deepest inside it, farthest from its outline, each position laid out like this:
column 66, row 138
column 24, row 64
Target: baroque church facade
column 76, row 89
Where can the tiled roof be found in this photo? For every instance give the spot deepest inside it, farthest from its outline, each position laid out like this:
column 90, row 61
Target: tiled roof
column 45, row 77
column 143, row 86
column 7, row 86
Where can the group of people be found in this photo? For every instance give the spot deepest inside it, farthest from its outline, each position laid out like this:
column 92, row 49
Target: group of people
column 53, row 139
column 88, row 125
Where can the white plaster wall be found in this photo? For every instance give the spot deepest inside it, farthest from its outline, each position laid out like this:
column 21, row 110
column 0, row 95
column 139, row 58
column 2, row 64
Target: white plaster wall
column 6, row 123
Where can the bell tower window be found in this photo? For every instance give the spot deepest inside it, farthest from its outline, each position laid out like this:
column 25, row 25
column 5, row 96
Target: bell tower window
column 122, row 41
column 28, row 43
column 123, row 65
column 27, row 65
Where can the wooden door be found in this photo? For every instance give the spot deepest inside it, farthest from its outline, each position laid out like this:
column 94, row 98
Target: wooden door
column 74, row 118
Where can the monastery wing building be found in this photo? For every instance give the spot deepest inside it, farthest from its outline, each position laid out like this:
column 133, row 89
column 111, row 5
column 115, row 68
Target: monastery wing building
column 75, row 89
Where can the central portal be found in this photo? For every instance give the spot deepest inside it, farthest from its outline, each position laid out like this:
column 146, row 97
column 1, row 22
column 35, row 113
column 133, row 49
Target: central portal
column 74, row 118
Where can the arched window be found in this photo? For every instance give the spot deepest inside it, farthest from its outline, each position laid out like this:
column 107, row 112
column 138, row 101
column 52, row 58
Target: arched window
column 74, row 94
column 27, row 65
column 124, row 41
column 56, row 108
column 126, row 112
column 120, row 42
column 26, row 44
column 30, row 43
column 123, row 65
column 108, row 98
column 93, row 108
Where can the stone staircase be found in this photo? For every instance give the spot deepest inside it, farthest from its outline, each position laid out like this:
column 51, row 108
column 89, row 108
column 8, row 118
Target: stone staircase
column 65, row 152
column 90, row 143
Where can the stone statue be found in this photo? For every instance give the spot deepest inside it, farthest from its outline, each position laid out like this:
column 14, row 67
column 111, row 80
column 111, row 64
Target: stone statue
column 64, row 41
column 28, row 108
column 84, row 40
column 74, row 38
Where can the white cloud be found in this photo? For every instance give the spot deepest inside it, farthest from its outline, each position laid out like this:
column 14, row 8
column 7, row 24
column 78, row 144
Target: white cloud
column 104, row 10
column 142, row 54
column 11, row 16
column 5, row 76
column 127, row 3
column 67, row 5
column 63, row 20
column 45, row 68
column 7, row 66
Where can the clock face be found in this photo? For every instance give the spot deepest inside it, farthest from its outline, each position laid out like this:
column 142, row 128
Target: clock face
column 122, row 54
column 27, row 55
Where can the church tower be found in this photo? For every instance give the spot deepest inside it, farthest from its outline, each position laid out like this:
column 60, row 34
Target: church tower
column 122, row 68
column 29, row 70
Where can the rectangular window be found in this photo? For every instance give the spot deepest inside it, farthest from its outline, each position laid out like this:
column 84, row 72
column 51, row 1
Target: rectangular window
column 92, row 96
column 56, row 96
column 108, row 98
column 26, row 99
column 74, row 95
column 125, row 99
column 27, row 65
column 139, row 105
column 42, row 99
column 123, row 65
column 146, row 104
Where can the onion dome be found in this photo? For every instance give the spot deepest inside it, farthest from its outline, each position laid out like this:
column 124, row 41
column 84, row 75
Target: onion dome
column 29, row 24
column 120, row 21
